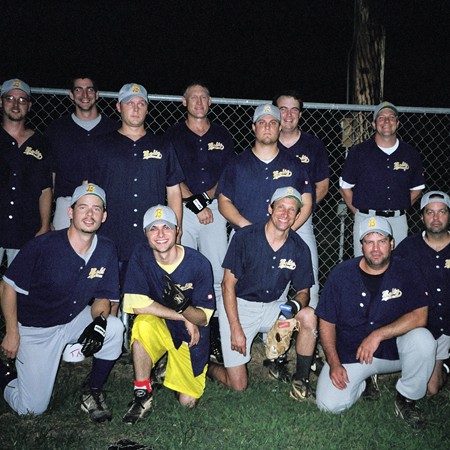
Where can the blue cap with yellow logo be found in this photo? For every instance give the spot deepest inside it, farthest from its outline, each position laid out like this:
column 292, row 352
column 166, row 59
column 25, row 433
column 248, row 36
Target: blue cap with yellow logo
column 159, row 214
column 266, row 110
column 88, row 189
column 15, row 83
column 131, row 90
column 374, row 225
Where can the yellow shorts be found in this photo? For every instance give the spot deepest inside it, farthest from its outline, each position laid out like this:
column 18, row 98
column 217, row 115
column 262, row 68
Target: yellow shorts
column 153, row 334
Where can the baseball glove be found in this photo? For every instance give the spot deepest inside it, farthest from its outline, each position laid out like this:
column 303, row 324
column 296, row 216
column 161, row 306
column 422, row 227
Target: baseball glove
column 279, row 337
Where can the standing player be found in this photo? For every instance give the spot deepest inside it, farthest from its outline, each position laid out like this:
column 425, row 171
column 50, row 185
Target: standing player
column 372, row 312
column 383, row 176
column 71, row 140
column 430, row 251
column 203, row 148
column 137, row 169
column 313, row 154
column 261, row 262
column 248, row 182
column 25, row 176
column 170, row 287
column 60, row 284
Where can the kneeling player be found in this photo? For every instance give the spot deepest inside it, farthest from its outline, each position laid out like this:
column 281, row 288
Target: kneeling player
column 170, row 287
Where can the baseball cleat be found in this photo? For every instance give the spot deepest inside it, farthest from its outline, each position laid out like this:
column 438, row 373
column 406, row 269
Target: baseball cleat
column 93, row 402
column 140, row 407
column 278, row 369
column 302, row 391
column 372, row 390
column 408, row 411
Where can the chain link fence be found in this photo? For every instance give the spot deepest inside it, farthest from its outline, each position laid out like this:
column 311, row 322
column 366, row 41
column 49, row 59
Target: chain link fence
column 338, row 126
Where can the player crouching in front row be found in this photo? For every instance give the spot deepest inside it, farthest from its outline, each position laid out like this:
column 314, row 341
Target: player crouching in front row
column 261, row 261
column 170, row 287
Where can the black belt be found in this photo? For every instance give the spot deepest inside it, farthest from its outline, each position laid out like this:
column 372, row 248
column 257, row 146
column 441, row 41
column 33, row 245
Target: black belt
column 398, row 212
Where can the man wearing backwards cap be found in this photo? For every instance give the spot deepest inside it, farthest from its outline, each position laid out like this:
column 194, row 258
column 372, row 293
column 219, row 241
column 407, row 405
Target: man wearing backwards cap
column 71, row 140
column 383, row 176
column 261, row 261
column 170, row 288
column 136, row 168
column 25, row 174
column 47, row 304
column 430, row 251
column 373, row 310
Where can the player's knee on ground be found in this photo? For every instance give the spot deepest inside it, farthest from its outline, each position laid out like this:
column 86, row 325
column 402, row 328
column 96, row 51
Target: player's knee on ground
column 187, row 401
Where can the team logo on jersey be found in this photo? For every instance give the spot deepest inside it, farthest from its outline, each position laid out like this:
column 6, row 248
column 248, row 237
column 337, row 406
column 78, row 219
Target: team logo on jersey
column 304, row 159
column 96, row 273
column 401, row 166
column 152, row 154
column 447, row 264
column 215, row 146
column 281, row 173
column 36, row 153
column 287, row 264
column 389, row 295
column 186, row 287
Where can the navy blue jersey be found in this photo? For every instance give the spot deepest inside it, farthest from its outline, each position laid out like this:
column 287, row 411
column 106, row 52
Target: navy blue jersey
column 313, row 155
column 435, row 269
column 202, row 158
column 24, row 174
column 262, row 273
column 72, row 151
column 381, row 181
column 54, row 284
column 134, row 176
column 346, row 302
column 250, row 183
column 194, row 277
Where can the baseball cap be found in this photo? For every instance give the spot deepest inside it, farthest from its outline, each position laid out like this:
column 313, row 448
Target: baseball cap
column 435, row 197
column 266, row 109
column 384, row 105
column 286, row 192
column 374, row 225
column 15, row 83
column 159, row 213
column 88, row 189
column 130, row 90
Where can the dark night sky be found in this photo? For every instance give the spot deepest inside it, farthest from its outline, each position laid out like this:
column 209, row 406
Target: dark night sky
column 242, row 49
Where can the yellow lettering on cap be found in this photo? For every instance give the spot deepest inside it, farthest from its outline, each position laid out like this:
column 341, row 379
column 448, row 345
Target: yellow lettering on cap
column 158, row 213
column 372, row 222
column 267, row 108
column 289, row 191
column 135, row 88
column 90, row 188
column 16, row 83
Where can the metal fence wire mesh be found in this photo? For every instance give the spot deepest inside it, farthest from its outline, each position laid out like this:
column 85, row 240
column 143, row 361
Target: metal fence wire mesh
column 338, row 126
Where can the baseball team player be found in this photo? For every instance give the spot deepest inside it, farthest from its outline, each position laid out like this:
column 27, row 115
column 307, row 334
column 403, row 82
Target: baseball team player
column 137, row 169
column 373, row 310
column 430, row 251
column 203, row 148
column 58, row 291
column 383, row 176
column 71, row 140
column 249, row 180
column 25, row 174
column 261, row 261
column 170, row 288
column 313, row 155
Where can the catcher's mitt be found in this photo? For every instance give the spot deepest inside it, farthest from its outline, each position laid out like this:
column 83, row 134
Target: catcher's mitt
column 279, row 337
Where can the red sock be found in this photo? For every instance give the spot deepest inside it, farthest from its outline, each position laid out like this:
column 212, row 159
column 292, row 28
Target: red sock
column 143, row 384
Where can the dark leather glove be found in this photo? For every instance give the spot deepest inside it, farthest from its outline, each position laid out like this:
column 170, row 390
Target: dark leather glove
column 198, row 203
column 93, row 336
column 174, row 297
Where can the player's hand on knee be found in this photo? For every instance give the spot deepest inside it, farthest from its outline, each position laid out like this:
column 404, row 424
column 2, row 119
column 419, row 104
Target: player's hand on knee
column 93, row 336
column 10, row 345
column 339, row 376
column 193, row 332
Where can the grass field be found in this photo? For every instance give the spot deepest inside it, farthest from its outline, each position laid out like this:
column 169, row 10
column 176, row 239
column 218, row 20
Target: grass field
column 264, row 417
